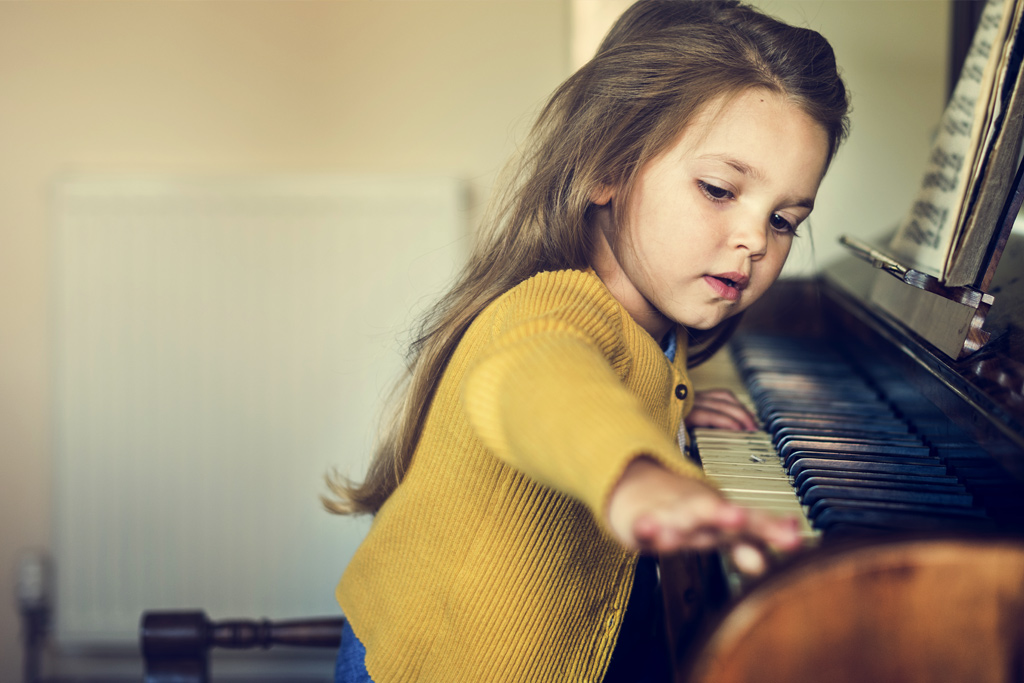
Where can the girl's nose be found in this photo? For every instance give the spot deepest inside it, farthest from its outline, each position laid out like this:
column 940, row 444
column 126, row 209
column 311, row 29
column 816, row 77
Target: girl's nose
column 751, row 233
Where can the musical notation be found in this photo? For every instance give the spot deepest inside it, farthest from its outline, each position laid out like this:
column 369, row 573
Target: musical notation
column 970, row 147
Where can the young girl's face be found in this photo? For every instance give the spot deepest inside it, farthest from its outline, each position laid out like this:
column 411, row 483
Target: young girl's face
column 711, row 219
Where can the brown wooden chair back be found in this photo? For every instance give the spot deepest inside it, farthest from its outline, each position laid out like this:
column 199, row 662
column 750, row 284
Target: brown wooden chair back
column 908, row 611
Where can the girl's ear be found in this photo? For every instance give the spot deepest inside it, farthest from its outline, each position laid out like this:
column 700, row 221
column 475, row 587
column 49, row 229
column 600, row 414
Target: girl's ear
column 602, row 194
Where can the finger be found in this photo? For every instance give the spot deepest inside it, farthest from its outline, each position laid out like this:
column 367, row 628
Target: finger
column 704, row 416
column 704, row 539
column 670, row 539
column 749, row 559
column 737, row 411
column 733, row 408
column 729, row 518
column 653, row 535
column 646, row 531
column 781, row 533
column 706, row 509
column 720, row 397
column 719, row 394
column 701, row 525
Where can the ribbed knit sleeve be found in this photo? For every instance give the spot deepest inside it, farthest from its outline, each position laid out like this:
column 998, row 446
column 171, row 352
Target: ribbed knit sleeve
column 549, row 396
column 492, row 560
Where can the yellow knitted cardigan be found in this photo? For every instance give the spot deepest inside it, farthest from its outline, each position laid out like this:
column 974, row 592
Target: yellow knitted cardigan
column 492, row 561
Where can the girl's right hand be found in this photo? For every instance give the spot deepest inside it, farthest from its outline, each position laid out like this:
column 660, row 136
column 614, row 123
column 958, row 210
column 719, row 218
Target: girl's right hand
column 654, row 510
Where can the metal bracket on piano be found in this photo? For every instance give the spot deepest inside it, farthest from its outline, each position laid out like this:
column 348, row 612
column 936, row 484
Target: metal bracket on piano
column 968, row 296
column 953, row 334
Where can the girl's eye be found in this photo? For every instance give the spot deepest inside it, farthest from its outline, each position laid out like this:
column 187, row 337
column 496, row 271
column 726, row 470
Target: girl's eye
column 780, row 224
column 713, row 192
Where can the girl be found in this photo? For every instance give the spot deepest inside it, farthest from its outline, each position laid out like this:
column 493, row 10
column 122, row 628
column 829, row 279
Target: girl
column 534, row 457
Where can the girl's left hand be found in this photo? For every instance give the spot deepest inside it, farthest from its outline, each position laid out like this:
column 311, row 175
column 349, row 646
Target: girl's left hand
column 719, row 408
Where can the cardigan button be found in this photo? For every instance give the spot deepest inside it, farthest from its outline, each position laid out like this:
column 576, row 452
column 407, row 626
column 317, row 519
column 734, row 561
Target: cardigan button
column 681, row 391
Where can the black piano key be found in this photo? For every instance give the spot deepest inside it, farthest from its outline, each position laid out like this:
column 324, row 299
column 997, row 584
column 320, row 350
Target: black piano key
column 879, row 426
column 940, row 476
column 832, row 444
column 861, row 447
column 764, row 393
column 809, row 404
column 793, row 376
column 986, row 473
column 936, row 486
column 776, row 361
column 820, row 509
column 816, row 409
column 866, row 465
column 869, row 446
column 801, row 403
column 790, row 433
column 944, row 500
column 761, row 390
column 793, row 458
column 839, row 519
column 966, row 457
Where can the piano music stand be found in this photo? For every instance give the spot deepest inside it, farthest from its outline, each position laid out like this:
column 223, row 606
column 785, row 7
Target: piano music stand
column 950, row 318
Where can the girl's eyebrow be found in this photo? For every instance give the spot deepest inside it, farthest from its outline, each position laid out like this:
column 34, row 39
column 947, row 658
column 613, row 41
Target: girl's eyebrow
column 751, row 172
column 741, row 166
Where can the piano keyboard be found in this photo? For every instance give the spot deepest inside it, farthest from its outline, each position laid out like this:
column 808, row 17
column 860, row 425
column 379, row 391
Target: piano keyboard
column 834, row 451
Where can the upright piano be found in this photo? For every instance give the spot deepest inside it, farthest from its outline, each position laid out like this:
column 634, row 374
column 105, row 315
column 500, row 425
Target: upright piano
column 869, row 434
column 873, row 433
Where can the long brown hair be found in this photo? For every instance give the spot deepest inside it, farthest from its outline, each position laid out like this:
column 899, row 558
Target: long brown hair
column 660, row 63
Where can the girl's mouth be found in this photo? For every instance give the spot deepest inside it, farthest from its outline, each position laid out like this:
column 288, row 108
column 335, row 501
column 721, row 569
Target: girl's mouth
column 725, row 287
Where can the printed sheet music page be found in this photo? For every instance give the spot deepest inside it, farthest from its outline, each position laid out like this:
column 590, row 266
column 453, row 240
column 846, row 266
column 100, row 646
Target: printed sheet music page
column 970, row 128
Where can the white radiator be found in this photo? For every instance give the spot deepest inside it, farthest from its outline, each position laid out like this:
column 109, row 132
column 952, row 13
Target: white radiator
column 219, row 345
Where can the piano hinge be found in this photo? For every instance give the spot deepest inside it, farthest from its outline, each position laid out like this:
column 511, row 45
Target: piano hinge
column 955, row 331
column 968, row 296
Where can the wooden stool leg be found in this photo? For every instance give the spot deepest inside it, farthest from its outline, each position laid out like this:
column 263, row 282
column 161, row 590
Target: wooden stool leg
column 175, row 647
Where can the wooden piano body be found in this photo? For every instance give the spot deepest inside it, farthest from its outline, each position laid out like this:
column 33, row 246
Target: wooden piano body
column 922, row 610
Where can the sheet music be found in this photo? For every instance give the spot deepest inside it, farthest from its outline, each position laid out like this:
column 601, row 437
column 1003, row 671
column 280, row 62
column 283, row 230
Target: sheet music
column 966, row 134
column 993, row 175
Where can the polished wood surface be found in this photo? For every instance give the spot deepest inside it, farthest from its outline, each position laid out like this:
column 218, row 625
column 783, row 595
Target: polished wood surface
column 924, row 610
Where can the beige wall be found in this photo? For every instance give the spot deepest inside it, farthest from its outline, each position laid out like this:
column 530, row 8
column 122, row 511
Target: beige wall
column 892, row 55
column 225, row 87
column 359, row 85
